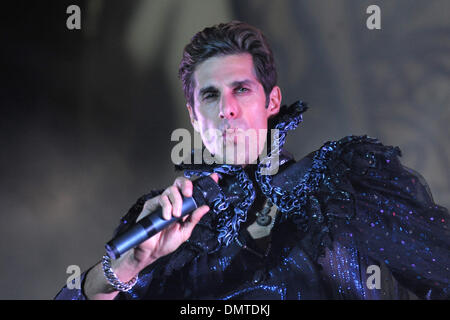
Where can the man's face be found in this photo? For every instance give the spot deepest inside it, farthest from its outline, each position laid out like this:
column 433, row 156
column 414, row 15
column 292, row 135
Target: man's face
column 230, row 108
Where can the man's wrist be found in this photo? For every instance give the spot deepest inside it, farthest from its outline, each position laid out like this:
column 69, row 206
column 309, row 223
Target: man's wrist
column 127, row 266
column 141, row 258
column 113, row 279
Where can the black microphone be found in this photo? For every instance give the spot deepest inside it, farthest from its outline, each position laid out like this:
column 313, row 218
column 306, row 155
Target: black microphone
column 205, row 190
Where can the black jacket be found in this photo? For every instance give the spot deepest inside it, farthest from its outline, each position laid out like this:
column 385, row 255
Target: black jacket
column 348, row 212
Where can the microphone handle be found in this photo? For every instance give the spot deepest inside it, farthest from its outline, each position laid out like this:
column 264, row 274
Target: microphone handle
column 146, row 228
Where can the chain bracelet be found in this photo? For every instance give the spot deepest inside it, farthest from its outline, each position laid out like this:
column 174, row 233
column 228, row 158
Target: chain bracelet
column 112, row 278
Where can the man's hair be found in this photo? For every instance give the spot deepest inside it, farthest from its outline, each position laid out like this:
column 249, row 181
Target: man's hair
column 223, row 39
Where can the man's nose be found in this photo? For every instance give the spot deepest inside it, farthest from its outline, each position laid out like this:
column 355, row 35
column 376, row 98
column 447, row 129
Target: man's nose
column 228, row 108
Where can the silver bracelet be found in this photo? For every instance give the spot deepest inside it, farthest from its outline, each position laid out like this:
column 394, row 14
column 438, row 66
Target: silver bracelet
column 112, row 278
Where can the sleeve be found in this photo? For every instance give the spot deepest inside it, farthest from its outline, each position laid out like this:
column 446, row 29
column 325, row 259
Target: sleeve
column 125, row 222
column 73, row 293
column 387, row 211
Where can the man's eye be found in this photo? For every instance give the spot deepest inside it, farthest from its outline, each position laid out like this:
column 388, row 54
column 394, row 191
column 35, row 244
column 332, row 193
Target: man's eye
column 242, row 90
column 209, row 96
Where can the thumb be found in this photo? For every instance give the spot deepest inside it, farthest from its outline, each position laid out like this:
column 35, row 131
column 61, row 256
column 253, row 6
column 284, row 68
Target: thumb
column 194, row 218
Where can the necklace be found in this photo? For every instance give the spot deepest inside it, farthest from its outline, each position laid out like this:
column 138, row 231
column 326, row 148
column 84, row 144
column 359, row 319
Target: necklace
column 244, row 246
column 263, row 220
column 268, row 216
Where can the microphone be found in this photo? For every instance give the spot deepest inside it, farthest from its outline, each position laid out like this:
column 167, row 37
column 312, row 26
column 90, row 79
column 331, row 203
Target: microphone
column 205, row 190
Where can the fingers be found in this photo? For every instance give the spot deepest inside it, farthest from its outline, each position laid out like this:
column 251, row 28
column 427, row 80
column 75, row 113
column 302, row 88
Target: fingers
column 194, row 218
column 197, row 215
column 149, row 206
column 185, row 185
column 166, row 206
column 176, row 200
column 171, row 199
column 171, row 202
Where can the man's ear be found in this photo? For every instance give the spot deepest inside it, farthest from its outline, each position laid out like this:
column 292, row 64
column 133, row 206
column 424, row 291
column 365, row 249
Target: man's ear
column 274, row 102
column 194, row 121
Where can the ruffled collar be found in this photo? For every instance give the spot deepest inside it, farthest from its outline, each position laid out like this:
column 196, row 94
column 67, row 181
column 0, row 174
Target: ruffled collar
column 228, row 214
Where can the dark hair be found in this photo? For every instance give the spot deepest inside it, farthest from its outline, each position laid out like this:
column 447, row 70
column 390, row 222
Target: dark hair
column 223, row 39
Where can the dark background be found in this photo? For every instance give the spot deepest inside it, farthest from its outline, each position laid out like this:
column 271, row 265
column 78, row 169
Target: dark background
column 86, row 115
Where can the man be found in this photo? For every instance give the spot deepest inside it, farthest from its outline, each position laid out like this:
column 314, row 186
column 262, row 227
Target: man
column 311, row 231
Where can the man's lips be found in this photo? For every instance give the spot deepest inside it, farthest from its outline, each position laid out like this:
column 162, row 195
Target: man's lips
column 230, row 130
column 230, row 135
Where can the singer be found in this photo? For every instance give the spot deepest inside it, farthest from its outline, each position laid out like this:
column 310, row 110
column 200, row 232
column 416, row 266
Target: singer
column 348, row 221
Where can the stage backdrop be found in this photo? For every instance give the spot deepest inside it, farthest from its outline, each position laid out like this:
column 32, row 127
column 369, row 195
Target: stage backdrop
column 86, row 115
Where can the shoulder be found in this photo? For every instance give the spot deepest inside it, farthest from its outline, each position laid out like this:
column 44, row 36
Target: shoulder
column 346, row 169
column 359, row 171
column 351, row 155
column 357, row 153
column 333, row 176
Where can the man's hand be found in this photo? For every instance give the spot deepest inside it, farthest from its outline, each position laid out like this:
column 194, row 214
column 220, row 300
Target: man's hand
column 161, row 244
column 169, row 239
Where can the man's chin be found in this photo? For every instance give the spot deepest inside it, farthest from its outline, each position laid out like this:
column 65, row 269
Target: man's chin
column 240, row 160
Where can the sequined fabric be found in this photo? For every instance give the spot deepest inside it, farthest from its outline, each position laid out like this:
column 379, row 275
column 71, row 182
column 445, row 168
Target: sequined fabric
column 344, row 208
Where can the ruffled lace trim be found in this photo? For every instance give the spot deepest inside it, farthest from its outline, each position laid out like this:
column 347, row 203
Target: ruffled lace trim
column 229, row 216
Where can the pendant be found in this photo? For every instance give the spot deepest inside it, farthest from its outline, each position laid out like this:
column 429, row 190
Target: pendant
column 263, row 220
